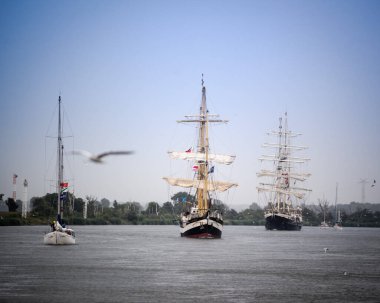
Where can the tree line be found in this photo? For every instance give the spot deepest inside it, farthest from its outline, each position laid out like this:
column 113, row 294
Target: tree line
column 103, row 212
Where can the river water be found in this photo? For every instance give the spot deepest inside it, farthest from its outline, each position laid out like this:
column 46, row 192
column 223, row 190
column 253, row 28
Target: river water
column 154, row 264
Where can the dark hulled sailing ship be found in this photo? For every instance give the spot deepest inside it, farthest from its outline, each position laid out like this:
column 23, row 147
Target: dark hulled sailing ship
column 201, row 220
column 281, row 190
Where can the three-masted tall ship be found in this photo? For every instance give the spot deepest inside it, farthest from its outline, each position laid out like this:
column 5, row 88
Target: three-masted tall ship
column 281, row 189
column 201, row 219
column 59, row 234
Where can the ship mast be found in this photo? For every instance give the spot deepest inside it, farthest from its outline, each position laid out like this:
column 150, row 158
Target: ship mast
column 60, row 162
column 285, row 177
column 279, row 165
column 203, row 147
column 336, row 203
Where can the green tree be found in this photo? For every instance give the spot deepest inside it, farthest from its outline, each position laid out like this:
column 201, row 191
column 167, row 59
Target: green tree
column 105, row 203
column 310, row 217
column 12, row 205
column 167, row 208
column 183, row 197
column 78, row 205
column 254, row 206
column 220, row 206
column 136, row 206
column 45, row 206
column 132, row 217
column 93, row 206
column 153, row 208
column 232, row 214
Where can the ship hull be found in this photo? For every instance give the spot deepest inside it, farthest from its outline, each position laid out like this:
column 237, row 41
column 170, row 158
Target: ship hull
column 282, row 222
column 206, row 228
column 58, row 238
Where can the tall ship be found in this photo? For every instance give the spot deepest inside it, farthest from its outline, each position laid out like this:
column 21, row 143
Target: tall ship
column 201, row 219
column 281, row 188
column 60, row 234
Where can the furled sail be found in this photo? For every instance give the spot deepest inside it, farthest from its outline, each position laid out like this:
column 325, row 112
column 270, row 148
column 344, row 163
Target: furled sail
column 284, row 159
column 281, row 191
column 222, row 159
column 275, row 145
column 212, row 186
column 291, row 175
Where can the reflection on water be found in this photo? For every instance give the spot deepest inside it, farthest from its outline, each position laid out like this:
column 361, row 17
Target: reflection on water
column 154, row 264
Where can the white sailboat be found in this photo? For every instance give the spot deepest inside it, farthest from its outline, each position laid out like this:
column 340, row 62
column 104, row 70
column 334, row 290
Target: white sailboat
column 282, row 195
column 199, row 220
column 338, row 219
column 324, row 206
column 59, row 234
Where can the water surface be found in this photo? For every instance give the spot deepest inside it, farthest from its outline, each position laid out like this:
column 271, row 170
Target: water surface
column 154, row 264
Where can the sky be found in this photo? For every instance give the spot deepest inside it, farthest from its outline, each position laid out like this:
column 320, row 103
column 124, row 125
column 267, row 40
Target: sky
column 128, row 70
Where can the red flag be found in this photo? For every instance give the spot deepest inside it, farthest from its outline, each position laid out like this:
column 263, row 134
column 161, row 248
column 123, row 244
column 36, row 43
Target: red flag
column 189, row 150
column 64, row 184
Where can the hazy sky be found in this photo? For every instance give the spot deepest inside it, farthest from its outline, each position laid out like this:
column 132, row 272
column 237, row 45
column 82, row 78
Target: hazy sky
column 127, row 70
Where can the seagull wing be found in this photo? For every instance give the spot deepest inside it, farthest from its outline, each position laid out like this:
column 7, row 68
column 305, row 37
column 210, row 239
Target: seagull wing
column 83, row 153
column 127, row 152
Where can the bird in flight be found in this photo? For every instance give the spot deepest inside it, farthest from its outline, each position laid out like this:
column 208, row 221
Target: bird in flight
column 99, row 158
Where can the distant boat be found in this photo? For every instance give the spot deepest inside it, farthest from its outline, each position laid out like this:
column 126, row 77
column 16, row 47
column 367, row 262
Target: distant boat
column 59, row 234
column 324, row 225
column 200, row 220
column 283, row 211
column 324, row 205
column 338, row 220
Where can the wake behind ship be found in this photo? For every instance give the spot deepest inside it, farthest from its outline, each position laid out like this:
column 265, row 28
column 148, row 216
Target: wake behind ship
column 201, row 219
column 281, row 190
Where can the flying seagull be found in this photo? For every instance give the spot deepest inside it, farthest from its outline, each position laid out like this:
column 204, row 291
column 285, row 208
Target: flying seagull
column 99, row 158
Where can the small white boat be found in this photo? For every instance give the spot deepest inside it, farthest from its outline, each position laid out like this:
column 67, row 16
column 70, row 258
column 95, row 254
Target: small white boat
column 324, row 225
column 60, row 235
column 324, row 206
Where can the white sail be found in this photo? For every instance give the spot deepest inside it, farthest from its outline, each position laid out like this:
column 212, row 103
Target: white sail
column 211, row 185
column 290, row 175
column 271, row 185
column 222, row 159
